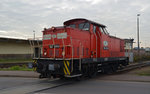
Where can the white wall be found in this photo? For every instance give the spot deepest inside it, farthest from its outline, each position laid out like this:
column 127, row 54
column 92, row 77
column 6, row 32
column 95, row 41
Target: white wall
column 15, row 47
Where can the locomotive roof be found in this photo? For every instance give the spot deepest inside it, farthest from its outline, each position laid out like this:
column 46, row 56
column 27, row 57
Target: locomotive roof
column 77, row 19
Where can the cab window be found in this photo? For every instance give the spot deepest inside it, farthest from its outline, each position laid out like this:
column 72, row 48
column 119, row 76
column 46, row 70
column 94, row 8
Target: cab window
column 101, row 30
column 94, row 29
column 105, row 31
column 84, row 26
column 72, row 26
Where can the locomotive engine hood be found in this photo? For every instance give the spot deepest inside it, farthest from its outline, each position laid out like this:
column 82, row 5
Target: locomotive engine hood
column 65, row 42
column 53, row 42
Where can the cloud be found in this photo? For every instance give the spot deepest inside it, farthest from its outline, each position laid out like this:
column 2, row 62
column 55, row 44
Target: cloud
column 93, row 2
column 21, row 17
column 3, row 32
column 141, row 5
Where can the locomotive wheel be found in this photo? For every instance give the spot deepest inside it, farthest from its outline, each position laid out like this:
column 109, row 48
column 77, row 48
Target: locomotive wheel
column 79, row 78
column 42, row 76
column 92, row 70
column 62, row 77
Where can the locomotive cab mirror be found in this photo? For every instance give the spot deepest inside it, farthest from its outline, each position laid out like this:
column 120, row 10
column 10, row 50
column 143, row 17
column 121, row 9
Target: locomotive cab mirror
column 37, row 52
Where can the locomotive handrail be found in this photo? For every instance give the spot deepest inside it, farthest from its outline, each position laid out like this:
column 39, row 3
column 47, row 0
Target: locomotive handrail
column 80, row 56
column 63, row 49
column 32, row 44
column 99, row 43
column 54, row 47
column 72, row 54
column 96, row 43
column 33, row 40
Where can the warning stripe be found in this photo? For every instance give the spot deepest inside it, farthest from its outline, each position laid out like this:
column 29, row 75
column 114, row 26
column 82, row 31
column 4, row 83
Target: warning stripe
column 68, row 63
column 34, row 68
column 65, row 71
column 66, row 68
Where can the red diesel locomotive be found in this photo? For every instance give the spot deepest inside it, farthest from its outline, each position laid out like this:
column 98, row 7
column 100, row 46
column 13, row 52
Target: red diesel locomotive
column 79, row 48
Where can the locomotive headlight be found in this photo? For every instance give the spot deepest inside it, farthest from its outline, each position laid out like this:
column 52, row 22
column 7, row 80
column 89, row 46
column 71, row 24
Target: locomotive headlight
column 63, row 53
column 45, row 53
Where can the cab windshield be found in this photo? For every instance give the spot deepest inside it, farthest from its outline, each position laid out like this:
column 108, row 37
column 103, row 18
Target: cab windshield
column 72, row 26
column 84, row 26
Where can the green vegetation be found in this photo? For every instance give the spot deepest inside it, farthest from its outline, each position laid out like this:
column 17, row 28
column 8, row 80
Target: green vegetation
column 145, row 74
column 141, row 58
column 14, row 60
column 16, row 68
column 143, row 71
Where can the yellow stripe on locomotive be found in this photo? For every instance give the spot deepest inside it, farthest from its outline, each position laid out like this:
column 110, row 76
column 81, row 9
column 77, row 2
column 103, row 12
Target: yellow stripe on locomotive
column 66, row 67
column 34, row 62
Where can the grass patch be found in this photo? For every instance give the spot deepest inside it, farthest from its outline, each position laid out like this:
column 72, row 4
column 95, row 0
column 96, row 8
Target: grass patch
column 16, row 68
column 144, row 74
column 143, row 57
column 144, row 71
column 14, row 60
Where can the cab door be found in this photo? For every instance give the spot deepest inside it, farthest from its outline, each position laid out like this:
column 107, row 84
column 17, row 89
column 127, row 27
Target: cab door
column 96, row 37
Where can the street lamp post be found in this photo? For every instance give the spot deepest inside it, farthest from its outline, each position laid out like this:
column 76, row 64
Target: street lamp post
column 33, row 34
column 138, row 43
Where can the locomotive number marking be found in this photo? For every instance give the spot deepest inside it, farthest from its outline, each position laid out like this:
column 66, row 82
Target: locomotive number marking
column 46, row 37
column 105, row 43
column 53, row 36
column 58, row 36
column 61, row 35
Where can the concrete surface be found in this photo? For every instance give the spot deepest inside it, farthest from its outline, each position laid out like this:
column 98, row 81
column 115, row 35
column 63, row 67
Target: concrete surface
column 115, row 77
column 17, row 85
column 124, row 77
column 30, row 74
column 101, row 87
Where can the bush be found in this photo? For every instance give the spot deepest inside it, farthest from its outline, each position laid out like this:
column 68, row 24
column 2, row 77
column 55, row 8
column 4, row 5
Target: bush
column 142, row 57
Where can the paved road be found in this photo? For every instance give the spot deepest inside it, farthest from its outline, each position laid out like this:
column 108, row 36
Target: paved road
column 16, row 85
column 102, row 87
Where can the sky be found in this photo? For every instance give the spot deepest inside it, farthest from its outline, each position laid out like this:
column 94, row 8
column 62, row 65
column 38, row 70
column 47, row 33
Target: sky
column 18, row 18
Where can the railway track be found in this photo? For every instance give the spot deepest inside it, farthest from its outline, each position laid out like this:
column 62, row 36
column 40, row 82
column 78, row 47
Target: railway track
column 134, row 66
column 129, row 67
column 52, row 87
column 35, row 87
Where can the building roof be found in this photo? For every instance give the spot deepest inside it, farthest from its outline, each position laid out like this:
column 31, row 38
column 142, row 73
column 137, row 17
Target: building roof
column 77, row 19
column 12, row 38
column 15, row 39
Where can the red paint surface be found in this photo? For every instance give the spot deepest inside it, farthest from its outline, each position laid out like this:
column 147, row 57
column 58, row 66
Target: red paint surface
column 82, row 43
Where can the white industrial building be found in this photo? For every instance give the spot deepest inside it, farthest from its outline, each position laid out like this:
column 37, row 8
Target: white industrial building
column 13, row 48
